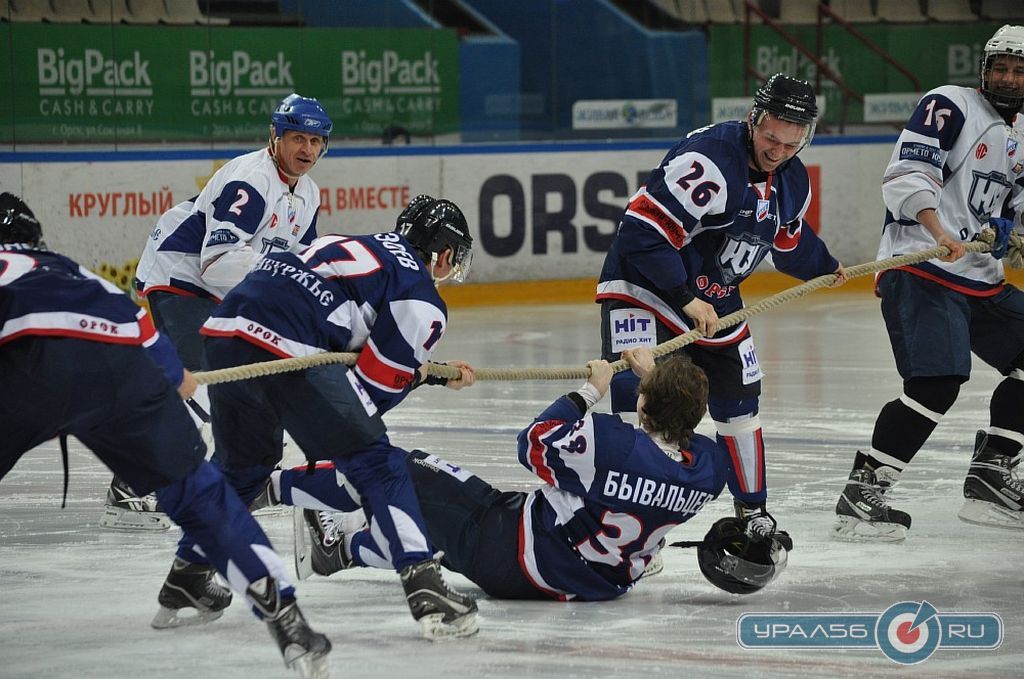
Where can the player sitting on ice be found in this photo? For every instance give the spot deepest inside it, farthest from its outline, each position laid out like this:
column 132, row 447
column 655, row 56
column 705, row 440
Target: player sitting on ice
column 611, row 494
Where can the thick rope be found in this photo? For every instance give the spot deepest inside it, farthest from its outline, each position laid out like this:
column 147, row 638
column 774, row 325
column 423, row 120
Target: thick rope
column 243, row 372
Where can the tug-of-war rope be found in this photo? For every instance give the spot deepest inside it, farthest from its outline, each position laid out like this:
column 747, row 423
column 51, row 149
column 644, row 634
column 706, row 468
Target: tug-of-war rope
column 1015, row 258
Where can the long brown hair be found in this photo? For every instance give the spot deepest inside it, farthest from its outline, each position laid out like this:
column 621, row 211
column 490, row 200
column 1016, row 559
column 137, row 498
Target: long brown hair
column 675, row 399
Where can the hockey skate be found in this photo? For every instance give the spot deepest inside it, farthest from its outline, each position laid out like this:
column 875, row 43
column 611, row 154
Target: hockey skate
column 266, row 502
column 656, row 564
column 862, row 514
column 303, row 650
column 441, row 612
column 759, row 523
column 190, row 586
column 124, row 510
column 993, row 495
column 320, row 541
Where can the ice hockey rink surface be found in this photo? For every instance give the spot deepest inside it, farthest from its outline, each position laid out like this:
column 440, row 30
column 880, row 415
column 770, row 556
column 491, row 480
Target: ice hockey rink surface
column 77, row 599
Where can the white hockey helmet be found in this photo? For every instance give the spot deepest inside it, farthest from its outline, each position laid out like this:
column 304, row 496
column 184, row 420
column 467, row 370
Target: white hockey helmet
column 1007, row 40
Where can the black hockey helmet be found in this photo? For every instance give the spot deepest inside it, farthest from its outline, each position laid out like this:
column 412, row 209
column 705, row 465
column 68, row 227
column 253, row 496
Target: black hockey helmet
column 733, row 560
column 433, row 226
column 1007, row 40
column 787, row 99
column 18, row 224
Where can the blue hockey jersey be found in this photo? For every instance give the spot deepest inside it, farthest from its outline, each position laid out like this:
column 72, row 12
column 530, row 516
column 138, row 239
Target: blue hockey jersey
column 342, row 293
column 611, row 494
column 45, row 294
column 703, row 222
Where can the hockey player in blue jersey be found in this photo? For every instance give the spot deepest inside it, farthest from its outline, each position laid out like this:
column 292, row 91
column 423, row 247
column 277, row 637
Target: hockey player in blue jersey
column 79, row 358
column 610, row 496
column 957, row 168
column 375, row 294
column 724, row 198
column 258, row 203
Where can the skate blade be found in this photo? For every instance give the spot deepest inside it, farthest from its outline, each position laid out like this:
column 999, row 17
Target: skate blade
column 302, row 546
column 308, row 665
column 170, row 618
column 655, row 566
column 115, row 518
column 435, row 629
column 981, row 513
column 273, row 510
column 850, row 529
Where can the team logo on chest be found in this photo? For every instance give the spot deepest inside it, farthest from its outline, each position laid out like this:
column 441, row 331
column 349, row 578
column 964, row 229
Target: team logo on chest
column 739, row 255
column 1011, row 148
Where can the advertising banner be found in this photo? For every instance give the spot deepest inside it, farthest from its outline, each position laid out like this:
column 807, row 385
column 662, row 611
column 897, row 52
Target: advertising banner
column 534, row 215
column 164, row 83
column 935, row 53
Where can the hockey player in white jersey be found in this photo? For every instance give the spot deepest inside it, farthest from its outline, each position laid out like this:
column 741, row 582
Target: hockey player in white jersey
column 958, row 167
column 256, row 204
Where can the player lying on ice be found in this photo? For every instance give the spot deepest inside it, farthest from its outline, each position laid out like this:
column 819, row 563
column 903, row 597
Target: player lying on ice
column 611, row 494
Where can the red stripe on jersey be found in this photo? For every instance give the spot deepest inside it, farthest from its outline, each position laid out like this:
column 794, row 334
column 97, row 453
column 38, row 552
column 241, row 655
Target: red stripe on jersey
column 645, row 208
column 537, row 448
column 787, row 236
column 146, row 328
column 971, row 292
column 385, row 375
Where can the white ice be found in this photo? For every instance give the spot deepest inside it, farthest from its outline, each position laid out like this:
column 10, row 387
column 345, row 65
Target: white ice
column 77, row 600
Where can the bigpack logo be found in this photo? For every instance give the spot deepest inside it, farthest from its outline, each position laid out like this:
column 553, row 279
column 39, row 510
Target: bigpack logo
column 907, row 633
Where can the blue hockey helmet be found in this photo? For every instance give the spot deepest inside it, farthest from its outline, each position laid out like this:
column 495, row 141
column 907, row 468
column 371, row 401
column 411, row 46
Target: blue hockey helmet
column 18, row 224
column 301, row 114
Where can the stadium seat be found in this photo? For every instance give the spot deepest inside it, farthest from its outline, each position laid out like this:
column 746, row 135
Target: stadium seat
column 145, row 11
column 71, row 11
column 187, row 12
column 798, row 12
column 950, row 10
column 31, row 10
column 722, row 12
column 108, row 11
column 857, row 11
column 687, row 11
column 900, row 11
column 1002, row 10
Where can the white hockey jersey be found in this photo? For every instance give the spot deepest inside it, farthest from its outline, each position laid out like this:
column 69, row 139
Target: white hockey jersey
column 958, row 156
column 204, row 246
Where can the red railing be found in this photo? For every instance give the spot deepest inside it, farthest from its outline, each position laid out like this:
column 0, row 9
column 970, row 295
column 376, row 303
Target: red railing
column 815, row 57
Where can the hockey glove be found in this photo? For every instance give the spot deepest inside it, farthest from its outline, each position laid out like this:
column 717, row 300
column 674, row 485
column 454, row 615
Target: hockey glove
column 1002, row 228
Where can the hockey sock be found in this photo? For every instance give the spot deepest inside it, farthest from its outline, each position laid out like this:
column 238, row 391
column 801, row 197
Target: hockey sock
column 739, row 430
column 903, row 425
column 1007, row 417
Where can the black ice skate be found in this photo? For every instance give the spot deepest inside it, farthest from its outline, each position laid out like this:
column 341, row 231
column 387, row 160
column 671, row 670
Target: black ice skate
column 441, row 612
column 190, row 587
column 125, row 510
column 862, row 513
column 993, row 495
column 303, row 650
column 759, row 523
column 266, row 501
column 320, row 541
